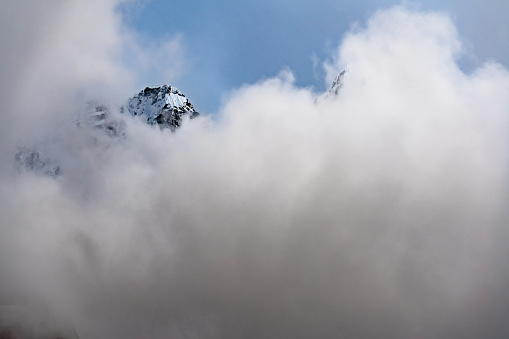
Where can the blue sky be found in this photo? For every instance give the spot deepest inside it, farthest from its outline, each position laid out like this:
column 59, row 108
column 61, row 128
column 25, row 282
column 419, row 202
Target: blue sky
column 229, row 43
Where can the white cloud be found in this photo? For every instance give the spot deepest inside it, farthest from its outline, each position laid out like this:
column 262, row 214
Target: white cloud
column 161, row 62
column 377, row 214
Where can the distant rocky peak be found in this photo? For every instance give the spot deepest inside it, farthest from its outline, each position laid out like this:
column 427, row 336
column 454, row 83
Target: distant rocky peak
column 164, row 105
column 337, row 84
column 335, row 88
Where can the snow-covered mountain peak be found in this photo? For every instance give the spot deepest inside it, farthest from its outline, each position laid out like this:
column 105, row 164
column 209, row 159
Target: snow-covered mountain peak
column 162, row 105
column 335, row 88
column 337, row 84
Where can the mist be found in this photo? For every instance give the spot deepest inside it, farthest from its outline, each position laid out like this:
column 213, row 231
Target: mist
column 381, row 212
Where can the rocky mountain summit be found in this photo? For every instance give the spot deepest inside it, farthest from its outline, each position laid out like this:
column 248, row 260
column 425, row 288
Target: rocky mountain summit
column 165, row 106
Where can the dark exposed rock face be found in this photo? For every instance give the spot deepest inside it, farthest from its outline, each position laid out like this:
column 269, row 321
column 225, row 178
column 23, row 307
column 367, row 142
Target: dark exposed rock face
column 165, row 106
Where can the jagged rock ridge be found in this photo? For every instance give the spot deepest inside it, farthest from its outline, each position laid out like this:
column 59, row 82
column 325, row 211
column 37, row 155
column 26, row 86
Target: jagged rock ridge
column 165, row 106
column 337, row 84
column 335, row 88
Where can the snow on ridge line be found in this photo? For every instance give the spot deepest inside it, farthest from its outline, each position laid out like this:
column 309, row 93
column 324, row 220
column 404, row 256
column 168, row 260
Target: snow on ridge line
column 164, row 105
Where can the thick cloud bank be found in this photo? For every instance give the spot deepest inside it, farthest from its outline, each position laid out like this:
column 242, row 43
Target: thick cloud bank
column 380, row 213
